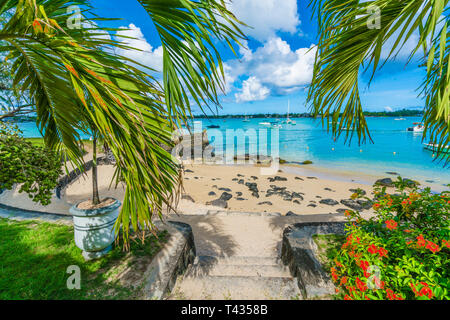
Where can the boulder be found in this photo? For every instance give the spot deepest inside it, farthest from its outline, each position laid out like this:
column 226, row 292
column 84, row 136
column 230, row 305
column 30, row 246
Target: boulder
column 218, row 203
column 226, row 196
column 386, row 182
column 329, row 202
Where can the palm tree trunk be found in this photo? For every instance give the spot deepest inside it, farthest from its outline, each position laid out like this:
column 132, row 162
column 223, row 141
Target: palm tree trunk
column 95, row 196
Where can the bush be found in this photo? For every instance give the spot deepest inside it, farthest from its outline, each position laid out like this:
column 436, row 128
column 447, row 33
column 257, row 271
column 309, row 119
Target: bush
column 402, row 252
column 34, row 168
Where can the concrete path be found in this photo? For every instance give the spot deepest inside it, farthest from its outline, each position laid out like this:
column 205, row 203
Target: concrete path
column 238, row 257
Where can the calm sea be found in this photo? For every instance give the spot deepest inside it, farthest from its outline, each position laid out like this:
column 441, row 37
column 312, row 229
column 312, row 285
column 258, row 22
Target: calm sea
column 394, row 149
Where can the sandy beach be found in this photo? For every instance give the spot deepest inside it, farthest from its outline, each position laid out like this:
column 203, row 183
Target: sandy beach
column 241, row 187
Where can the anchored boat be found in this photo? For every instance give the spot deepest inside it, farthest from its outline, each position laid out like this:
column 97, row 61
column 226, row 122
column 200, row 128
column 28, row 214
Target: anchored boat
column 418, row 127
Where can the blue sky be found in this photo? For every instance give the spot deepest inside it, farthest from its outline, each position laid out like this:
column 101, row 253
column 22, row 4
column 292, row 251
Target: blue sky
column 277, row 66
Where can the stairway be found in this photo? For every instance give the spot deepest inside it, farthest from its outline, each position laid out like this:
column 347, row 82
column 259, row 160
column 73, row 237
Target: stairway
column 236, row 278
column 237, row 259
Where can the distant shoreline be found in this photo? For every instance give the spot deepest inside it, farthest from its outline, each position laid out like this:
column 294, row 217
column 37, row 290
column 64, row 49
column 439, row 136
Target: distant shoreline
column 399, row 113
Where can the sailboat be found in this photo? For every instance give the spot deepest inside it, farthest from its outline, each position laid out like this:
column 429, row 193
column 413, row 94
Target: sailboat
column 246, row 119
column 288, row 120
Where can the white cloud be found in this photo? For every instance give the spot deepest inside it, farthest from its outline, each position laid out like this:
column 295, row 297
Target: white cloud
column 252, row 90
column 388, row 109
column 148, row 56
column 276, row 66
column 266, row 17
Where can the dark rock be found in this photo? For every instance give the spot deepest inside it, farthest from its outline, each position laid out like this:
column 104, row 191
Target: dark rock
column 291, row 214
column 352, row 204
column 265, row 203
column 212, row 193
column 318, row 197
column 329, row 202
column 366, row 204
column 235, row 179
column 218, row 203
column 241, row 199
column 312, row 205
column 254, row 178
column 307, row 162
column 188, row 171
column 226, row 196
column 392, row 173
column 328, row 189
column 386, row 182
column 296, row 201
column 240, row 176
column 255, row 194
column 298, row 178
column 225, row 189
column 277, row 178
column 241, row 181
column 312, row 178
column 187, row 197
column 239, row 194
column 341, row 210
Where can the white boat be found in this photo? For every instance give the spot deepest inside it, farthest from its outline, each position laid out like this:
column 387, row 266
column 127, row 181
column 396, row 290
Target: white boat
column 400, row 119
column 434, row 147
column 418, row 127
column 288, row 120
column 266, row 124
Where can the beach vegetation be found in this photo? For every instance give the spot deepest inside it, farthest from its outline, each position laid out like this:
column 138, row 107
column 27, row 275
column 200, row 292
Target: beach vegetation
column 35, row 168
column 77, row 84
column 400, row 253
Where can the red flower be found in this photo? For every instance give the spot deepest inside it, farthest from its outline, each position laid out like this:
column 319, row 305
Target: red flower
column 426, row 291
column 391, row 224
column 343, row 280
column 372, row 249
column 421, row 241
column 347, row 297
column 376, row 206
column 446, row 243
column 364, row 265
column 382, row 252
column 433, row 247
column 361, row 285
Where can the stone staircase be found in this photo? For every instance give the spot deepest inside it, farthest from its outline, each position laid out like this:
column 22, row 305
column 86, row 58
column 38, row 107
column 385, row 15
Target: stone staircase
column 236, row 278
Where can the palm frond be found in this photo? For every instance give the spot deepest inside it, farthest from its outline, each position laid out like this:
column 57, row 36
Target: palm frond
column 348, row 47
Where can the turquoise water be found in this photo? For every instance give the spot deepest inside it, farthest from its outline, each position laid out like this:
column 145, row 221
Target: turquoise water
column 308, row 141
column 394, row 149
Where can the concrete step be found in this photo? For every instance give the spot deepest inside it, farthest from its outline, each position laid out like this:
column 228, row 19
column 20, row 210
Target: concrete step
column 236, row 288
column 238, row 260
column 238, row 270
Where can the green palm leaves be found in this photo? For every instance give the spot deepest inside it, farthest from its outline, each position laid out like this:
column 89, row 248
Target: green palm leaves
column 348, row 44
column 78, row 84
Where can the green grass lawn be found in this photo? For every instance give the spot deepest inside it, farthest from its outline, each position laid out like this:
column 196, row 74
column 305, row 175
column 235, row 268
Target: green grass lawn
column 34, row 258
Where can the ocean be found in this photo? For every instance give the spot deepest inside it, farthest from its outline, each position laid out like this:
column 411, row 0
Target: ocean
column 393, row 148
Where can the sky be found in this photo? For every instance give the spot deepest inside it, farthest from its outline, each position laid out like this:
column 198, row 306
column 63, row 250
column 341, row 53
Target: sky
column 277, row 65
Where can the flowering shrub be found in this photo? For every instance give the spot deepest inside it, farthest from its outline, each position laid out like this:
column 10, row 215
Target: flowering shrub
column 401, row 253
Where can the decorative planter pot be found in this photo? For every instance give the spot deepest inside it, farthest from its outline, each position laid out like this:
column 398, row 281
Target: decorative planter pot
column 94, row 229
